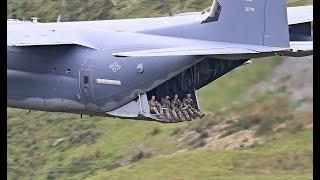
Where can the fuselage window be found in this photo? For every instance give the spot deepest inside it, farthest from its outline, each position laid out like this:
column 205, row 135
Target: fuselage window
column 68, row 71
column 54, row 70
column 85, row 80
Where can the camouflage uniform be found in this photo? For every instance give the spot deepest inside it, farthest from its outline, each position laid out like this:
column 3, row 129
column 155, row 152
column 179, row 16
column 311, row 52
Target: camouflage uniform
column 184, row 110
column 176, row 113
column 166, row 107
column 188, row 102
column 187, row 108
column 155, row 107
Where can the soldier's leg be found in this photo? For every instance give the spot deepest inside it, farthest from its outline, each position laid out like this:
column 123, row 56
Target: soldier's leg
column 167, row 113
column 190, row 113
column 185, row 113
column 198, row 113
column 154, row 110
column 160, row 109
column 194, row 112
column 175, row 115
column 181, row 117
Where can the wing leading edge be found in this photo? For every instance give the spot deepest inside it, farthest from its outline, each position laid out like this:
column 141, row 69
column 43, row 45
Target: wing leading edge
column 300, row 14
column 36, row 34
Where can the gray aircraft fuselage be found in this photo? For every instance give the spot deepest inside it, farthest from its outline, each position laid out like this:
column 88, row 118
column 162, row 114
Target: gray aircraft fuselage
column 83, row 76
column 49, row 77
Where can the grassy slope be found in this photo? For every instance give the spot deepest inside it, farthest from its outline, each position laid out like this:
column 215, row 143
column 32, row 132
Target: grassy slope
column 30, row 137
column 213, row 164
column 108, row 141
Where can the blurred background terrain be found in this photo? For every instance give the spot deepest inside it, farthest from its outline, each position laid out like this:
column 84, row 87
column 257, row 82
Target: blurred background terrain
column 258, row 126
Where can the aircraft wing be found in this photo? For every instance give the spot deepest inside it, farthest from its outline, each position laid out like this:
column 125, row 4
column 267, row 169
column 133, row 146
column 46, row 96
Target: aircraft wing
column 42, row 36
column 34, row 40
column 225, row 50
column 300, row 14
column 212, row 48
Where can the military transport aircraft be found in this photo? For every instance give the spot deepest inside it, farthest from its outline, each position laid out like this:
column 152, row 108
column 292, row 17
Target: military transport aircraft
column 112, row 67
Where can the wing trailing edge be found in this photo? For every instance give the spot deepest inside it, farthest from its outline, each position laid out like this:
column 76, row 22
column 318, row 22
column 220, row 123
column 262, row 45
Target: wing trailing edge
column 299, row 49
column 208, row 49
column 225, row 51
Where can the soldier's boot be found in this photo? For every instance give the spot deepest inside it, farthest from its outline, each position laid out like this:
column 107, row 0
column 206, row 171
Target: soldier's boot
column 198, row 113
column 202, row 115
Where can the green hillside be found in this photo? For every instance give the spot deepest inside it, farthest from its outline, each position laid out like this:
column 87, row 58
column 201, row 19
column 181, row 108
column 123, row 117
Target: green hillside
column 264, row 138
column 103, row 148
column 106, row 9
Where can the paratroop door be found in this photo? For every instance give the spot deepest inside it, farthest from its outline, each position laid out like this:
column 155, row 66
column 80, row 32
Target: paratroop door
column 85, row 84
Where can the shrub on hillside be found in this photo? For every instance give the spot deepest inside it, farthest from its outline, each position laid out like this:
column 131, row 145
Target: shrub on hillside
column 155, row 131
column 265, row 126
column 176, row 131
column 88, row 136
column 140, row 154
column 201, row 143
column 242, row 124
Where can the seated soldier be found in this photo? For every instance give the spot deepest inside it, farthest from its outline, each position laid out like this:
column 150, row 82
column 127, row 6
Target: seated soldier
column 184, row 111
column 175, row 109
column 180, row 109
column 191, row 106
column 165, row 103
column 155, row 107
column 187, row 109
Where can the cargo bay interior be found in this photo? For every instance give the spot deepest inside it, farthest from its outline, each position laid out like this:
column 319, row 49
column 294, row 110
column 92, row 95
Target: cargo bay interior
column 194, row 78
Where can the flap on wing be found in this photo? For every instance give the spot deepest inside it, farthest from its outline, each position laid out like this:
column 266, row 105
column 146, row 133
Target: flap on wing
column 301, row 46
column 51, row 44
column 299, row 49
column 209, row 49
column 300, row 14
